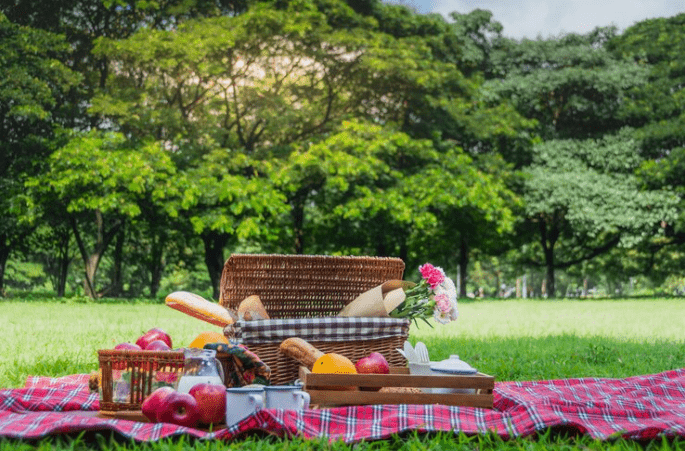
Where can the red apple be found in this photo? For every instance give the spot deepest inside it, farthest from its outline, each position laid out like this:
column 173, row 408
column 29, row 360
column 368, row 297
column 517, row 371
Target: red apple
column 157, row 345
column 154, row 334
column 179, row 408
column 152, row 405
column 375, row 363
column 211, row 400
column 121, row 364
column 128, row 346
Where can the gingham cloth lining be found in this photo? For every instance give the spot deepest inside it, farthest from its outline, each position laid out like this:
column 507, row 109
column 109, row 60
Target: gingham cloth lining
column 333, row 329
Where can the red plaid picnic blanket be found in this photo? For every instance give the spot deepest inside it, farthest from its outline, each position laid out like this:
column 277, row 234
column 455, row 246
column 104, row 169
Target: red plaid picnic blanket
column 640, row 407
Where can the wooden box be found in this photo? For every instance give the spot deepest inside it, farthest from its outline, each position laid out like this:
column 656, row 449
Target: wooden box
column 398, row 387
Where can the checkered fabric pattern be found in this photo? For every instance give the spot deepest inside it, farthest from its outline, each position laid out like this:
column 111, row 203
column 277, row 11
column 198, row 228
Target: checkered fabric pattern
column 640, row 407
column 333, row 329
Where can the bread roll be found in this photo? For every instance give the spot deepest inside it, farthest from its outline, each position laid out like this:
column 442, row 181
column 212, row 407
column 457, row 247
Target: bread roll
column 300, row 350
column 251, row 309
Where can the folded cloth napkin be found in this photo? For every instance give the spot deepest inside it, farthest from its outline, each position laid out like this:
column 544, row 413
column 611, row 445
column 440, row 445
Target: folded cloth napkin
column 246, row 368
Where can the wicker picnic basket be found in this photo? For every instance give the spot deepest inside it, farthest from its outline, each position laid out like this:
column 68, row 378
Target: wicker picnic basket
column 305, row 288
column 144, row 371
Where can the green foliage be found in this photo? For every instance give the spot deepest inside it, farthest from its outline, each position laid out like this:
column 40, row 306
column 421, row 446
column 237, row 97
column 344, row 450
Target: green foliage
column 336, row 127
column 101, row 172
column 584, row 195
column 230, row 82
column 657, row 111
column 657, row 44
column 572, row 86
column 593, row 195
column 25, row 276
column 232, row 194
column 33, row 88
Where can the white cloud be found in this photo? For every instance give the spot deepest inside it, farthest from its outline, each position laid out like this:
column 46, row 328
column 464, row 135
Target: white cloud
column 533, row 18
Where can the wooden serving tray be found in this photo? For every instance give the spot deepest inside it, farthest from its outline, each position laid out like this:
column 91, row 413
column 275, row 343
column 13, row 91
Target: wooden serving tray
column 325, row 392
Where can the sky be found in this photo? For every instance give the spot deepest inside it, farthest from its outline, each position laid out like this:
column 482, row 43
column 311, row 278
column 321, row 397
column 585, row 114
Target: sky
column 550, row 18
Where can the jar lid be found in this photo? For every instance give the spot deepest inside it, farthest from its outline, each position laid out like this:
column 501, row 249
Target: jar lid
column 453, row 365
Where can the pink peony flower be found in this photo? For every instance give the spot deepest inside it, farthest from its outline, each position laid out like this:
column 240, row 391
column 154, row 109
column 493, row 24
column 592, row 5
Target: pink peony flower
column 443, row 303
column 434, row 296
column 433, row 276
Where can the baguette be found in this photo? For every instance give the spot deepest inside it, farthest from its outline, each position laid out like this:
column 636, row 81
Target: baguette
column 300, row 350
column 200, row 308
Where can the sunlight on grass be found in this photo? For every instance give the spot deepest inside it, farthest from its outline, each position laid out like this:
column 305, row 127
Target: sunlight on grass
column 50, row 338
column 512, row 339
column 648, row 320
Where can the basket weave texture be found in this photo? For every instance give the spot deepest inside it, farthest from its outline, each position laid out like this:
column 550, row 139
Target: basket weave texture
column 299, row 286
column 143, row 367
column 310, row 286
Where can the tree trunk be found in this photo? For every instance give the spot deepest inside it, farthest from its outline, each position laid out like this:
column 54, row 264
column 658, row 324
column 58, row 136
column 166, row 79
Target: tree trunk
column 463, row 265
column 4, row 256
column 117, row 284
column 548, row 239
column 297, row 213
column 404, row 251
column 214, row 258
column 63, row 261
column 92, row 263
column 156, row 263
column 92, row 259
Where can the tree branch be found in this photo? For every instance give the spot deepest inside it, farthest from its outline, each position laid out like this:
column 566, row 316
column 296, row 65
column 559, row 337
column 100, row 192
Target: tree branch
column 594, row 252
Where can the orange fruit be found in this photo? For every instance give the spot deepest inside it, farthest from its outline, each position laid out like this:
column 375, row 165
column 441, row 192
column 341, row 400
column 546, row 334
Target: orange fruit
column 333, row 363
column 207, row 337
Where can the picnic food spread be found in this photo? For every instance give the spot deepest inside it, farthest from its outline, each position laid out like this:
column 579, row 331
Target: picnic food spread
column 346, row 356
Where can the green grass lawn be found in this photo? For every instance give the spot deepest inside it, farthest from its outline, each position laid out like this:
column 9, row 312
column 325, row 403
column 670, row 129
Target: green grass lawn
column 510, row 339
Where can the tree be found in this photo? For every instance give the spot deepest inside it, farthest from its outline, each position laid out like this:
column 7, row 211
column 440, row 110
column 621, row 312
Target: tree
column 232, row 200
column 576, row 90
column 657, row 111
column 346, row 186
column 33, row 87
column 571, row 85
column 82, row 22
column 101, row 176
column 232, row 94
column 428, row 78
column 379, row 191
column 471, row 204
column 584, row 200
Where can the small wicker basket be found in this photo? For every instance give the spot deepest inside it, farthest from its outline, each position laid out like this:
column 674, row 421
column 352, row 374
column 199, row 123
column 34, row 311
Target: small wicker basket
column 145, row 371
column 306, row 287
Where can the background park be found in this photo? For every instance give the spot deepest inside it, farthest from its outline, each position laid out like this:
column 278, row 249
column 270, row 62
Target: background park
column 143, row 142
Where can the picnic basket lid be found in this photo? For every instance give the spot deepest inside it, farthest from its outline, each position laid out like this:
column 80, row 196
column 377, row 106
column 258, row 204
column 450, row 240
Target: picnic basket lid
column 298, row 286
